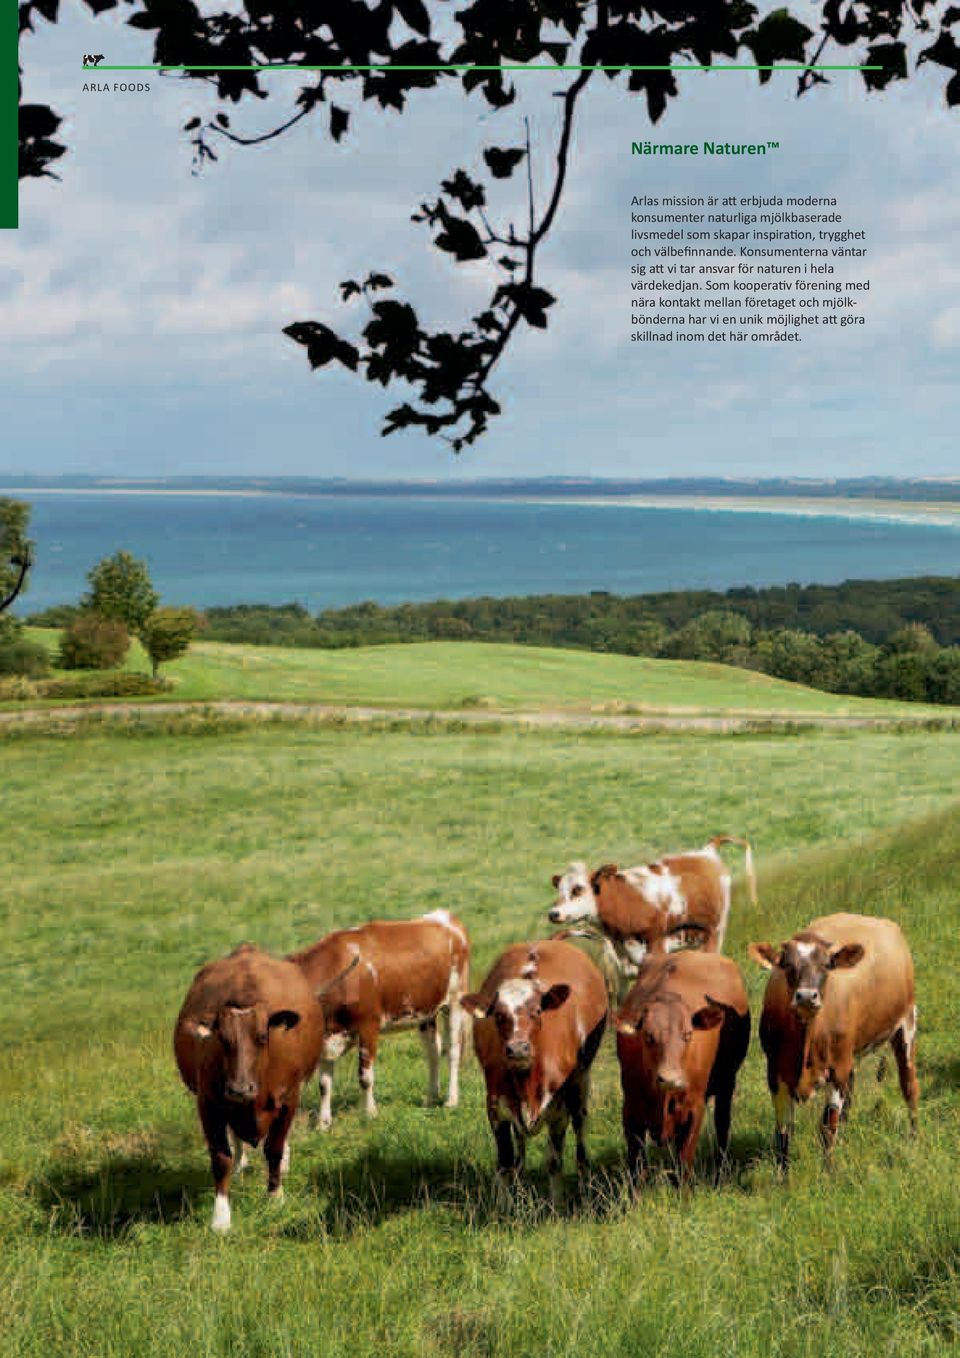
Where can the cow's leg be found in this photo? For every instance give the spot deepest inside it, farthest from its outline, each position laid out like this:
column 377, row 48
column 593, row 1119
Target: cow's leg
column 686, row 1144
column 557, row 1136
column 904, row 1043
column 848, row 1096
column 240, row 1157
column 221, row 1164
column 369, row 1035
column 577, row 1095
column 430, row 1040
column 326, row 1095
column 456, row 1022
column 722, row 1106
column 832, row 1108
column 783, row 1112
column 276, row 1150
column 721, row 932
column 636, row 1136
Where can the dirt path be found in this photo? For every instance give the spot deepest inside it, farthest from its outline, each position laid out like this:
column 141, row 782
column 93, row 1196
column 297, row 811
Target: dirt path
column 327, row 712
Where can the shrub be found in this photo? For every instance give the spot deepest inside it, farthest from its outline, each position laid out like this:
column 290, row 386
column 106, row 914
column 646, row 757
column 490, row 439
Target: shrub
column 102, row 686
column 23, row 657
column 92, row 642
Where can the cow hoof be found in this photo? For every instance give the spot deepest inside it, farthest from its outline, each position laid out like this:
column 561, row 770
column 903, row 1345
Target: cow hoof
column 451, row 1103
column 373, row 1112
column 275, row 1194
column 221, row 1216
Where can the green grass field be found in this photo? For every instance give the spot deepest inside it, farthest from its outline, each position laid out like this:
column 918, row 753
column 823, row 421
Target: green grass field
column 131, row 857
column 458, row 674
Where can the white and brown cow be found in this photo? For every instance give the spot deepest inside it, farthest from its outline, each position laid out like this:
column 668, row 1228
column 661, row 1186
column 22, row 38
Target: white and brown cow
column 648, row 909
column 411, row 974
column 839, row 988
column 538, row 1020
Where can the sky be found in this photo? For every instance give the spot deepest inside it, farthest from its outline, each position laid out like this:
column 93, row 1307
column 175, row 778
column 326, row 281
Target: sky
column 141, row 307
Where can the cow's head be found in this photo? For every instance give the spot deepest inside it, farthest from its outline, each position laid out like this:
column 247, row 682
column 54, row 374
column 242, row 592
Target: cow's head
column 517, row 1008
column 576, row 899
column 665, row 1025
column 242, row 1034
column 806, row 961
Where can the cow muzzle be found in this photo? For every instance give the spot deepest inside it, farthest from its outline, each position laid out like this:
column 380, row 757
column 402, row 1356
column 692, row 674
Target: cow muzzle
column 807, row 1001
column 519, row 1054
column 240, row 1091
column 671, row 1082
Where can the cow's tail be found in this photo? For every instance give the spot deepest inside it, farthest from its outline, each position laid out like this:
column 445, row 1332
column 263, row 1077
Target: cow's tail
column 748, row 867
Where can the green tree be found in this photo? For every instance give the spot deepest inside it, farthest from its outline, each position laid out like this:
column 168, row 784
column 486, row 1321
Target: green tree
column 121, row 588
column 719, row 635
column 16, row 550
column 943, row 677
column 167, row 634
column 385, row 52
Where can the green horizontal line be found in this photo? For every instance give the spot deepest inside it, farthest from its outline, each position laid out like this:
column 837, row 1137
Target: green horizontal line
column 344, row 70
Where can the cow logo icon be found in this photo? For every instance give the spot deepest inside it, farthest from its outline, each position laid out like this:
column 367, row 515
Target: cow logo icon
column 92, row 61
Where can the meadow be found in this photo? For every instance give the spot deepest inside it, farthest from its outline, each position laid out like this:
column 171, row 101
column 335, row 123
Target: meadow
column 134, row 855
column 456, row 674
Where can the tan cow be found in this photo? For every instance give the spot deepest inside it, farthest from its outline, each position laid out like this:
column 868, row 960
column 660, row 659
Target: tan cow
column 646, row 909
column 248, row 1034
column 411, row 974
column 682, row 1035
column 538, row 1020
column 840, row 988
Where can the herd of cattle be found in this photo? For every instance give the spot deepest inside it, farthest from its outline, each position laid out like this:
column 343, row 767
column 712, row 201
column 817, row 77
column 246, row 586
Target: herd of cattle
column 253, row 1027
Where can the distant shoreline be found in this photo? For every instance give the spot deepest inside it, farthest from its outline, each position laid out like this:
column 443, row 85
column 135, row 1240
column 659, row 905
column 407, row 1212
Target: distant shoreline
column 927, row 513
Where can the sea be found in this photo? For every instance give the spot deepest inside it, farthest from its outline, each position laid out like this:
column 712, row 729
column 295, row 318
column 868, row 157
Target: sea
column 327, row 551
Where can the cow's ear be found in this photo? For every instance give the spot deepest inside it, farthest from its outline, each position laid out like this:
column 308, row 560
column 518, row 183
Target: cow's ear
column 765, row 955
column 625, row 1026
column 847, row 956
column 284, row 1018
column 475, row 1005
column 710, row 1016
column 555, row 881
column 557, row 994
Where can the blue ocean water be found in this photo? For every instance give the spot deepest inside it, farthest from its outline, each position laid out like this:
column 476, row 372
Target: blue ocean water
column 328, row 551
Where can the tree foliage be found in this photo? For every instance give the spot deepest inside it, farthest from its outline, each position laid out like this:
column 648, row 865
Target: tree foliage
column 446, row 373
column 93, row 642
column 167, row 634
column 16, row 551
column 121, row 588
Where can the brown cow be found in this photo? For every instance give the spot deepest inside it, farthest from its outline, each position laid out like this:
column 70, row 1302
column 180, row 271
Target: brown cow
column 840, row 988
column 410, row 973
column 248, row 1035
column 539, row 1017
column 682, row 1035
column 644, row 909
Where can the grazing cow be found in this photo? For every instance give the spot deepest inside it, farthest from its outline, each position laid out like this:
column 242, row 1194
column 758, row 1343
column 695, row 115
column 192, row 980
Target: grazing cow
column 539, row 1017
column 840, row 988
column 682, row 1034
column 248, row 1035
column 645, row 909
column 410, row 974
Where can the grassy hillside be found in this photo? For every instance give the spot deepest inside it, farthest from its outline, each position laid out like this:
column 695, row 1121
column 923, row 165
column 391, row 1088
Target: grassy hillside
column 132, row 858
column 456, row 674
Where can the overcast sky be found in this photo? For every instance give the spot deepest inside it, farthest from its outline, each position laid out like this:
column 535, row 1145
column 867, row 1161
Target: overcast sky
column 141, row 307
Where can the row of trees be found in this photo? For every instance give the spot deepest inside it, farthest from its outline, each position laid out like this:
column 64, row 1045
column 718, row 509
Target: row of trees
column 801, row 633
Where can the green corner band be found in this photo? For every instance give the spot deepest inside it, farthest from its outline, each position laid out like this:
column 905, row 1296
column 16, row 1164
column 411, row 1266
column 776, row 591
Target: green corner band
column 9, row 131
